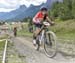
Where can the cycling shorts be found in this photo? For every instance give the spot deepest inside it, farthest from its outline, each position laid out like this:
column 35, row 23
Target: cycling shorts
column 36, row 26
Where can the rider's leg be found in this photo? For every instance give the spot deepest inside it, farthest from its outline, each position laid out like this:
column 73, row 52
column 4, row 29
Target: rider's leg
column 34, row 39
column 36, row 32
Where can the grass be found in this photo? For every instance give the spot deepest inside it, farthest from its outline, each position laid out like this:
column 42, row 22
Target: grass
column 61, row 28
column 5, row 36
column 2, row 44
column 24, row 33
column 64, row 30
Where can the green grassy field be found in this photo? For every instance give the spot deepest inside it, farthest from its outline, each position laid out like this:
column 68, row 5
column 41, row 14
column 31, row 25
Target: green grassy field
column 24, row 33
column 2, row 44
column 63, row 30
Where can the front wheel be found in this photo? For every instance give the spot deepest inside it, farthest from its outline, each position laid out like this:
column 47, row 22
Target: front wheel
column 50, row 46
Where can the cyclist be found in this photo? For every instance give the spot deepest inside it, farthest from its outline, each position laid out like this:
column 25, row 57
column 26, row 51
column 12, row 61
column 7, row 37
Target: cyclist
column 41, row 16
column 15, row 31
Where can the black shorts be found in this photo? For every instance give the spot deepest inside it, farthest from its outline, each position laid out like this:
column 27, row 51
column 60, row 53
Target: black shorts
column 38, row 25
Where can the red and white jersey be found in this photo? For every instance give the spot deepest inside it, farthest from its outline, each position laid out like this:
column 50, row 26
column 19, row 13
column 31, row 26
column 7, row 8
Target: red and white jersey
column 37, row 17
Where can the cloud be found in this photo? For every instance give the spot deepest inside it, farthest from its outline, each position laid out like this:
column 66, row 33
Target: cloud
column 5, row 10
column 34, row 2
column 8, row 5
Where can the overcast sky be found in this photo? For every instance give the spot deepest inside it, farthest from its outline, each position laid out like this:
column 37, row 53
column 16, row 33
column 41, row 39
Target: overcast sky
column 8, row 5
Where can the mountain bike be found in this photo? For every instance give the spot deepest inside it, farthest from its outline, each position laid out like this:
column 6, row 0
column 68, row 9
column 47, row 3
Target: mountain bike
column 48, row 38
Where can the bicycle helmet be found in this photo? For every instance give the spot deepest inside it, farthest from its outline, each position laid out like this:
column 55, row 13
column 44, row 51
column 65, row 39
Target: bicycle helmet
column 43, row 8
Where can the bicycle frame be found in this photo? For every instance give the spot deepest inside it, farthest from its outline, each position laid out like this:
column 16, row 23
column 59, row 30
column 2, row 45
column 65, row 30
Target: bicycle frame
column 42, row 36
column 42, row 33
column 42, row 39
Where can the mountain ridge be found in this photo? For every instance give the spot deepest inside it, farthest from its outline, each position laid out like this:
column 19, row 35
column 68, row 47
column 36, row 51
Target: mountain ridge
column 23, row 12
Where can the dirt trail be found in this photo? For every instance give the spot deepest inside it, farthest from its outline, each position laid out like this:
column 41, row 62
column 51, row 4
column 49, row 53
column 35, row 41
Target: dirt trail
column 26, row 48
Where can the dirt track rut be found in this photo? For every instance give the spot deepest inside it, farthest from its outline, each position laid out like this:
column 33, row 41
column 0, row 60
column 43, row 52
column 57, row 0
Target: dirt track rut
column 25, row 48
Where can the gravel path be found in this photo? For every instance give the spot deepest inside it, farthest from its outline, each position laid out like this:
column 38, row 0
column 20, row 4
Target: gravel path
column 25, row 48
column 12, row 55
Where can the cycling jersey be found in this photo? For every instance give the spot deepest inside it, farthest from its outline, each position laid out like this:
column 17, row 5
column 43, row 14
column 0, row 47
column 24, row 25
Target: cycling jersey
column 37, row 17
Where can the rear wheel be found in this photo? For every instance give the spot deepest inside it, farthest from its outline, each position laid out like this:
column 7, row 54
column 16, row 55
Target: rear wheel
column 50, row 44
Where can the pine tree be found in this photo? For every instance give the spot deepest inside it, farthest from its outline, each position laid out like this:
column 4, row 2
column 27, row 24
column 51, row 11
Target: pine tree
column 73, row 8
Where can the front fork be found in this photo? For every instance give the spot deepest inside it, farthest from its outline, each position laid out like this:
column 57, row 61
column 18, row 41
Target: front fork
column 47, row 40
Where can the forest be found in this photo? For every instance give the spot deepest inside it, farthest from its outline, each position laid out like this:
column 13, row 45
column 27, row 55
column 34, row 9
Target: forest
column 63, row 10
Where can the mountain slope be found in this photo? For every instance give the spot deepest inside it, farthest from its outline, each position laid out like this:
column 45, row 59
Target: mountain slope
column 30, row 12
column 23, row 12
column 12, row 14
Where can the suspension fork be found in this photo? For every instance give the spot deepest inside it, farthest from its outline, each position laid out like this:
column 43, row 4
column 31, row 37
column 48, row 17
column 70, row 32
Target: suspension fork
column 50, row 42
column 49, row 38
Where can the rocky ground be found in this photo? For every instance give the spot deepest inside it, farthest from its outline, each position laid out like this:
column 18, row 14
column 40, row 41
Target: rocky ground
column 26, row 53
column 12, row 55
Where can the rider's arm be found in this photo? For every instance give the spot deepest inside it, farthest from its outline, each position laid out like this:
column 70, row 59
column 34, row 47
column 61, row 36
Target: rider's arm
column 38, row 17
column 49, row 20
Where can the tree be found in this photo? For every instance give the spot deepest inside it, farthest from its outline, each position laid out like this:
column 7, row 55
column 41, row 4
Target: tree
column 73, row 8
column 64, row 10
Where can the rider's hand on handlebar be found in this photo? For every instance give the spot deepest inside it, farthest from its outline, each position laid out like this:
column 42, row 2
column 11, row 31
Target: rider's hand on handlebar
column 52, row 23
